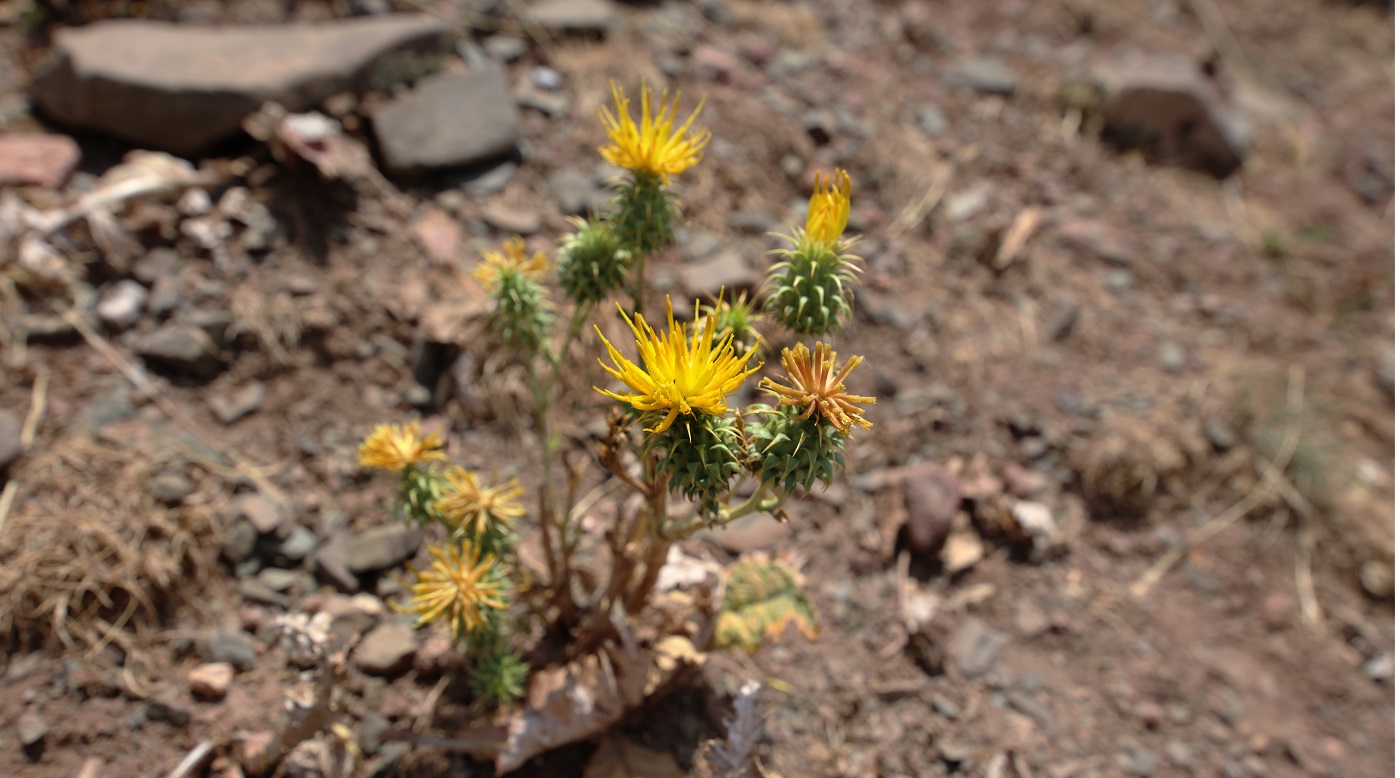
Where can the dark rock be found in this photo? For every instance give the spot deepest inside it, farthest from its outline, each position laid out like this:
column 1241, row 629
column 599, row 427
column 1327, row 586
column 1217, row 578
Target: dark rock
column 181, row 347
column 169, row 712
column 298, row 545
column 238, row 541
column 255, row 590
column 983, row 74
column 931, row 498
column 1168, row 108
column 169, row 488
column 975, row 647
column 728, row 270
column 449, row 120
column 38, row 159
column 230, row 647
column 381, row 548
column 182, row 88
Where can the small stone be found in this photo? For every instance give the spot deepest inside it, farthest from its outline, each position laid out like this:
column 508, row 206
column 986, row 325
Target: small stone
column 1030, row 619
column 39, row 159
column 228, row 408
column 1278, row 610
column 332, row 564
column 983, row 74
column 168, row 710
column 727, row 269
column 954, row 752
column 546, row 77
column 239, row 541
column 387, row 650
column 1022, row 482
column 961, row 551
column 931, row 497
column 1180, row 755
column 945, row 707
column 182, row 347
column 487, row 179
column 752, row 533
column 1172, row 357
column 967, row 203
column 298, row 545
column 169, row 488
column 505, row 48
column 165, row 296
column 210, row 681
column 510, row 220
column 232, row 648
column 1118, row 280
column 1138, row 761
column 975, row 647
column 31, row 729
column 932, row 121
column 266, row 515
column 121, row 305
column 439, row 235
column 449, row 120
column 381, row 548
column 1062, row 323
column 1380, row 668
column 11, row 445
column 435, row 656
column 574, row 191
column 257, row 750
column 595, row 16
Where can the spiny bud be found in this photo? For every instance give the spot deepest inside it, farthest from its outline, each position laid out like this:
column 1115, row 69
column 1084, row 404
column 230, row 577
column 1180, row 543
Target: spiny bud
column 591, row 262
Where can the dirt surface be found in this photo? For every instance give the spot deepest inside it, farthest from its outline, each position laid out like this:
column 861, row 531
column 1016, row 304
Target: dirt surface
column 1163, row 345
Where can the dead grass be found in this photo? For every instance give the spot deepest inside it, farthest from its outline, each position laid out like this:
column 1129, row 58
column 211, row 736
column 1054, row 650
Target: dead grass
column 86, row 557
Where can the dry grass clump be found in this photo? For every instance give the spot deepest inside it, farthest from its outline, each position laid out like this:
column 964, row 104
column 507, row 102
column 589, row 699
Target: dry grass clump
column 1128, row 462
column 86, row 556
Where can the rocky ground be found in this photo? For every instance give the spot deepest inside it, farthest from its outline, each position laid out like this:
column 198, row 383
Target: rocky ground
column 1127, row 306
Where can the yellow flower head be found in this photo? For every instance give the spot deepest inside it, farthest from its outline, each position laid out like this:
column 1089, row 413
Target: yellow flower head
column 654, row 147
column 495, row 264
column 471, row 507
column 394, row 447
column 457, row 586
column 814, row 386
column 830, row 208
column 678, row 376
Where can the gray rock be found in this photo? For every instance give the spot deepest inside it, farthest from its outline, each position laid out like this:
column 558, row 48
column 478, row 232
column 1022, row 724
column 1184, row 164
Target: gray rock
column 169, row 488
column 381, row 548
column 449, row 120
column 39, row 159
column 575, row 192
column 728, row 270
column 182, row 347
column 286, row 581
column 505, row 48
column 332, row 564
column 387, row 650
column 511, row 219
column 238, row 541
column 121, row 305
column 298, row 545
column 487, row 179
column 233, row 406
column 11, row 429
column 1138, row 761
column 1172, row 357
column 165, row 296
column 230, row 647
column 182, row 88
column 31, row 729
column 254, row 590
column 1180, row 755
column 932, row 121
column 1168, row 108
column 265, row 514
column 975, row 647
column 596, row 16
column 988, row 75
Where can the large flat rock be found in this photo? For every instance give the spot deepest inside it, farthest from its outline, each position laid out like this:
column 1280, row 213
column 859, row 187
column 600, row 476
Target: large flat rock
column 183, row 89
column 449, row 120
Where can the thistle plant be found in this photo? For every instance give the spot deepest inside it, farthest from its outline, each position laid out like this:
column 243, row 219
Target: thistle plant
column 673, row 437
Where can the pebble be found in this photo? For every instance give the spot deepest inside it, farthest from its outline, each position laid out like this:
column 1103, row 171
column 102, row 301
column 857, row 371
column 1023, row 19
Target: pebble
column 574, row 191
column 31, row 729
column 232, row 648
column 932, row 121
column 238, row 541
column 210, row 681
column 449, row 120
column 1278, row 610
column 1172, row 357
column 511, row 220
column 11, row 447
column 975, row 647
column 332, row 564
column 1118, row 280
column 381, row 548
column 1180, row 755
column 1030, row 619
column 298, row 545
column 931, row 498
column 169, row 488
column 1138, row 761
column 266, row 515
column 121, row 305
column 593, row 16
column 727, row 269
column 983, row 74
column 387, row 650
column 182, row 347
column 505, row 48
column 231, row 407
column 39, row 159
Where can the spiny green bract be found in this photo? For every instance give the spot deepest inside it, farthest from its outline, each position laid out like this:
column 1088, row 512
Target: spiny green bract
column 736, row 317
column 592, row 262
column 523, row 315
column 809, row 290
column 761, row 598
column 791, row 451
column 702, row 456
column 644, row 212
column 419, row 489
column 498, row 676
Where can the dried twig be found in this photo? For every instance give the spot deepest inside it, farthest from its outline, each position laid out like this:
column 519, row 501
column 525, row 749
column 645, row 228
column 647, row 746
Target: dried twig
column 38, row 403
column 194, row 760
column 1266, row 488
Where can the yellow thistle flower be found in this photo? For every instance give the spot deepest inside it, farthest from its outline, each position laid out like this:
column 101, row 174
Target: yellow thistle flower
column 678, row 376
column 654, row 147
column 814, row 386
column 456, row 586
column 394, row 447
column 495, row 264
column 471, row 507
column 830, row 208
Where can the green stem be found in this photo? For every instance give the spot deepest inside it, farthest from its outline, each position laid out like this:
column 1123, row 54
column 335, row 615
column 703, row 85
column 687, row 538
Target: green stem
column 639, row 285
column 762, row 500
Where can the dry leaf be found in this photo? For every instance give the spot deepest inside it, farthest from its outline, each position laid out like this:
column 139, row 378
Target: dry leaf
column 618, row 757
column 1021, row 230
column 962, row 550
